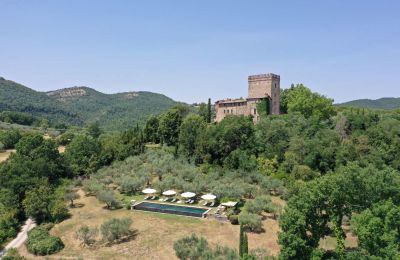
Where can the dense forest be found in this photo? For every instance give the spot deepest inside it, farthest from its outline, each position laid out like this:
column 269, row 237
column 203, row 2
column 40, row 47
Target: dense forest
column 18, row 98
column 333, row 165
column 112, row 111
column 382, row 103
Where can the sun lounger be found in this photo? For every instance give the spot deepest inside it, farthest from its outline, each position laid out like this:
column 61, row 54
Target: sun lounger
column 205, row 203
column 212, row 204
column 147, row 198
column 191, row 201
column 174, row 200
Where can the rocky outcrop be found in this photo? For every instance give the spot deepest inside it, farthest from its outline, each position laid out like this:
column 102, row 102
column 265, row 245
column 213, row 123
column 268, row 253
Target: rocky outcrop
column 63, row 94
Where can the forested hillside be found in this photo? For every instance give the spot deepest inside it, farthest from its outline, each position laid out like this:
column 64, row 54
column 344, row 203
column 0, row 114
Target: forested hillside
column 81, row 105
column 382, row 103
column 16, row 97
column 112, row 111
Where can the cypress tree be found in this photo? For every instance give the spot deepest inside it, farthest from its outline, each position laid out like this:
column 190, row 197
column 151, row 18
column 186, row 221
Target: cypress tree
column 245, row 249
column 209, row 113
column 241, row 240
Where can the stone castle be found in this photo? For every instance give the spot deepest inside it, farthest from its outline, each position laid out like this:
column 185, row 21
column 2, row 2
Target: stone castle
column 260, row 87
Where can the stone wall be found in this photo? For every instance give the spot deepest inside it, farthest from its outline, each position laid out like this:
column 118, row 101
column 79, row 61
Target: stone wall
column 264, row 85
column 260, row 86
column 226, row 108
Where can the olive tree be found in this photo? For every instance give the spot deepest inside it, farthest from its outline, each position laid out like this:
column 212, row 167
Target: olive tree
column 108, row 197
column 71, row 195
column 250, row 221
column 86, row 235
column 115, row 229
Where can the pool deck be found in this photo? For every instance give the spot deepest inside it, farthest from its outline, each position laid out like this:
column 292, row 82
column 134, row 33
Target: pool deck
column 205, row 214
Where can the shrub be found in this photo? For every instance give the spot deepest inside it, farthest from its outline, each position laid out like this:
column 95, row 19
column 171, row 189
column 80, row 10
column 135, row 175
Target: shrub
column 250, row 221
column 59, row 211
column 86, row 235
column 258, row 205
column 9, row 225
column 194, row 247
column 234, row 219
column 13, row 254
column 116, row 229
column 40, row 242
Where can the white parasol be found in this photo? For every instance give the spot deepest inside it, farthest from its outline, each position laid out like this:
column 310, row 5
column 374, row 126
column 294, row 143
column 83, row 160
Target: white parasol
column 149, row 191
column 208, row 197
column 169, row 193
column 188, row 194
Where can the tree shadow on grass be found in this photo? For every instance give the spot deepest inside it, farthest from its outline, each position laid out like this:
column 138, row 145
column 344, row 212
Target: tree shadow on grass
column 258, row 231
column 131, row 236
column 111, row 208
column 77, row 205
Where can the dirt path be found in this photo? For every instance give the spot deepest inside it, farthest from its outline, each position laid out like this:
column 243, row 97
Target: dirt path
column 4, row 155
column 21, row 237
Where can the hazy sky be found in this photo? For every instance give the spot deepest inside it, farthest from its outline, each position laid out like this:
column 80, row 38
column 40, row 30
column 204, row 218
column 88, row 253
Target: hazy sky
column 191, row 50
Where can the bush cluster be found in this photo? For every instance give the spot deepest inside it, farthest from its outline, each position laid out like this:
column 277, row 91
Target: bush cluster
column 40, row 242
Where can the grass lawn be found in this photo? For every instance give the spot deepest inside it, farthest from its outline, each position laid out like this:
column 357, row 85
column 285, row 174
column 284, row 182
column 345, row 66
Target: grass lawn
column 156, row 233
column 4, row 155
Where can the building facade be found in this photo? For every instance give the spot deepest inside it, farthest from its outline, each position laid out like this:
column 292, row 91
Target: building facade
column 260, row 87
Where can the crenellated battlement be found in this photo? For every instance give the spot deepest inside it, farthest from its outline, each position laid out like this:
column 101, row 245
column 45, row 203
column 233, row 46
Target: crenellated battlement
column 263, row 76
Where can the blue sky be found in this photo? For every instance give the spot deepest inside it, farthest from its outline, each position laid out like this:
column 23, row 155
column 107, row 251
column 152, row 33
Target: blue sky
column 191, row 50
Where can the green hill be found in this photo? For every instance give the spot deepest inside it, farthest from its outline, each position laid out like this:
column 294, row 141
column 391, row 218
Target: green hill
column 382, row 103
column 16, row 97
column 112, row 111
column 82, row 105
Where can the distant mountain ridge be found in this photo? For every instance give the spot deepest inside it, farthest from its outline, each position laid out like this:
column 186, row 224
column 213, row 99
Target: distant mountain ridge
column 82, row 105
column 381, row 103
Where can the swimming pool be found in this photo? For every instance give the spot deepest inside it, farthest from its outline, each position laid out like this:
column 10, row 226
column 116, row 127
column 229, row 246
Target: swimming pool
column 171, row 209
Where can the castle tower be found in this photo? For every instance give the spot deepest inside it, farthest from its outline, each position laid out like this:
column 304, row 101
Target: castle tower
column 265, row 85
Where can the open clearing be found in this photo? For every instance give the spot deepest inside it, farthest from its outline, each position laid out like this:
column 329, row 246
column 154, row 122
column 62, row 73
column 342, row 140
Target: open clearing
column 61, row 149
column 4, row 155
column 156, row 233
